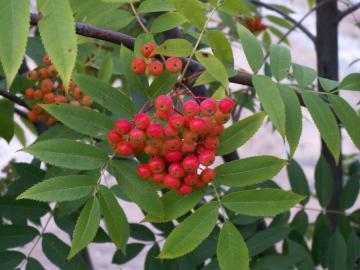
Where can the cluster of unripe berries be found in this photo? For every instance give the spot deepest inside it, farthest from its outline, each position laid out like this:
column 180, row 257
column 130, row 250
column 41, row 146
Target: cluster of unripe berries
column 49, row 89
column 181, row 145
column 155, row 67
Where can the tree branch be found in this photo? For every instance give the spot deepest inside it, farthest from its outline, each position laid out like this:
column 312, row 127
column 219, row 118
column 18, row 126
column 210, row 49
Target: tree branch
column 348, row 11
column 13, row 98
column 287, row 17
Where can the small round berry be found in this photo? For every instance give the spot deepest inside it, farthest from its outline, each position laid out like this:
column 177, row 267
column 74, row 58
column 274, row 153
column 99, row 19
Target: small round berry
column 51, row 121
column 200, row 149
column 43, row 73
column 218, row 130
column 29, row 93
column 155, row 142
column 207, row 157
column 155, row 68
column 32, row 116
column 49, row 98
column 191, row 108
column 147, row 49
column 185, row 189
column 208, row 107
column 176, row 121
column 173, row 144
column 207, row 175
column 165, row 116
column 123, row 126
column 141, row 121
column 86, row 101
column 158, row 177
column 42, row 117
column 190, row 137
column 37, row 109
column 221, row 118
column 157, row 165
column 32, row 75
column 171, row 182
column 71, row 85
column 38, row 95
column 198, row 126
column 155, row 130
column 151, row 150
column 137, row 136
column 138, row 148
column 163, row 103
column 188, row 147
column 171, row 132
column 191, row 179
column 75, row 102
column 76, row 93
column 52, row 71
column 61, row 99
column 173, row 65
column 176, row 170
column 46, row 60
column 114, row 137
column 226, row 105
column 143, row 171
column 124, row 149
column 173, row 156
column 190, row 164
column 138, row 66
column 211, row 143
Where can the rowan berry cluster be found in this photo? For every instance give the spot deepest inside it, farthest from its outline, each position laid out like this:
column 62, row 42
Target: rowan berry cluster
column 154, row 67
column 49, row 89
column 181, row 145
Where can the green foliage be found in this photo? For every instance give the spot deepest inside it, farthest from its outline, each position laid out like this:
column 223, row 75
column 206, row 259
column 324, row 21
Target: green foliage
column 280, row 61
column 323, row 182
column 303, row 75
column 6, row 119
column 16, row 235
column 167, row 21
column 298, row 179
column 190, row 7
column 161, row 85
column 148, row 6
column 174, row 47
column 10, row 259
column 351, row 82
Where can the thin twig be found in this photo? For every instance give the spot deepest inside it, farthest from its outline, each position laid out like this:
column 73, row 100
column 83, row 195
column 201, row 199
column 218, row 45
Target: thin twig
column 348, row 11
column 138, row 18
column 217, row 195
column 13, row 98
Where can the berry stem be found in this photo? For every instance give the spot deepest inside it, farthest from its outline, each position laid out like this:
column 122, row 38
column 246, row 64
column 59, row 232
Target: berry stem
column 217, row 195
column 138, row 18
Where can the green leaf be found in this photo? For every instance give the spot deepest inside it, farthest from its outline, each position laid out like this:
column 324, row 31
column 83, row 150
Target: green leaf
column 351, row 82
column 251, row 47
column 6, row 119
column 300, row 222
column 174, row 47
column 141, row 232
column 107, row 96
column 139, row 191
column 68, row 154
column 301, row 254
column 191, row 232
column 239, row 133
column 176, row 205
column 280, row 61
column 293, row 122
column 263, row 202
column 14, row 30
column 321, row 236
column 348, row 117
column 272, row 101
column 263, row 240
column 10, row 259
column 115, row 219
column 276, row 261
column 106, row 69
column 167, row 21
column 235, row 7
column 214, row 66
column 349, row 193
column 190, row 7
column 298, row 181
column 353, row 249
column 149, row 6
column 325, row 121
column 162, row 84
column 248, row 171
column 16, row 235
column 57, row 21
column 86, row 226
column 204, row 78
column 81, row 119
column 61, row 188
column 221, row 47
column 56, row 251
column 33, row 264
column 336, row 257
column 327, row 84
column 132, row 250
column 232, row 252
column 151, row 262
column 303, row 75
column 324, row 183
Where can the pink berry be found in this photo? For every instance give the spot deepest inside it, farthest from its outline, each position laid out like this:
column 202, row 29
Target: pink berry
column 142, row 121
column 137, row 136
column 197, row 125
column 114, row 137
column 226, row 105
column 158, row 177
column 171, row 182
column 207, row 175
column 211, row 143
column 155, row 68
column 138, row 66
column 190, row 164
column 157, row 165
column 176, row 121
column 125, row 149
column 147, row 49
column 191, row 108
column 191, row 179
column 176, row 170
column 208, row 107
column 173, row 144
column 207, row 157
column 173, row 156
column 185, row 189
column 163, row 103
column 143, row 171
column 122, row 126
column 173, row 65
column 155, row 130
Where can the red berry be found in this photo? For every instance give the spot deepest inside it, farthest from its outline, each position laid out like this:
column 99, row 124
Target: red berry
column 171, row 182
column 138, row 66
column 218, row 130
column 191, row 179
column 200, row 149
column 151, row 150
column 125, row 149
column 38, row 95
column 49, row 98
column 191, row 108
column 207, row 157
column 207, row 175
column 77, row 93
column 198, row 126
column 170, row 132
column 158, row 177
column 190, row 137
column 86, row 101
column 163, row 103
column 209, row 125
column 173, row 156
column 32, row 75
column 155, row 68
column 173, row 144
column 114, row 137
column 52, row 71
column 176, row 121
column 29, row 93
column 75, row 103
column 155, row 130
column 60, row 99
column 188, row 147
column 32, row 116
column 51, row 121
column 122, row 126
column 137, row 136
column 184, row 189
column 143, row 171
column 157, row 165
column 141, row 121
column 208, row 107
column 165, row 116
column 226, row 105
column 211, row 143
column 37, row 109
column 176, row 170
column 156, row 142
column 190, row 164
column 221, row 118
column 46, row 60
column 43, row 73
column 147, row 49
column 173, row 65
